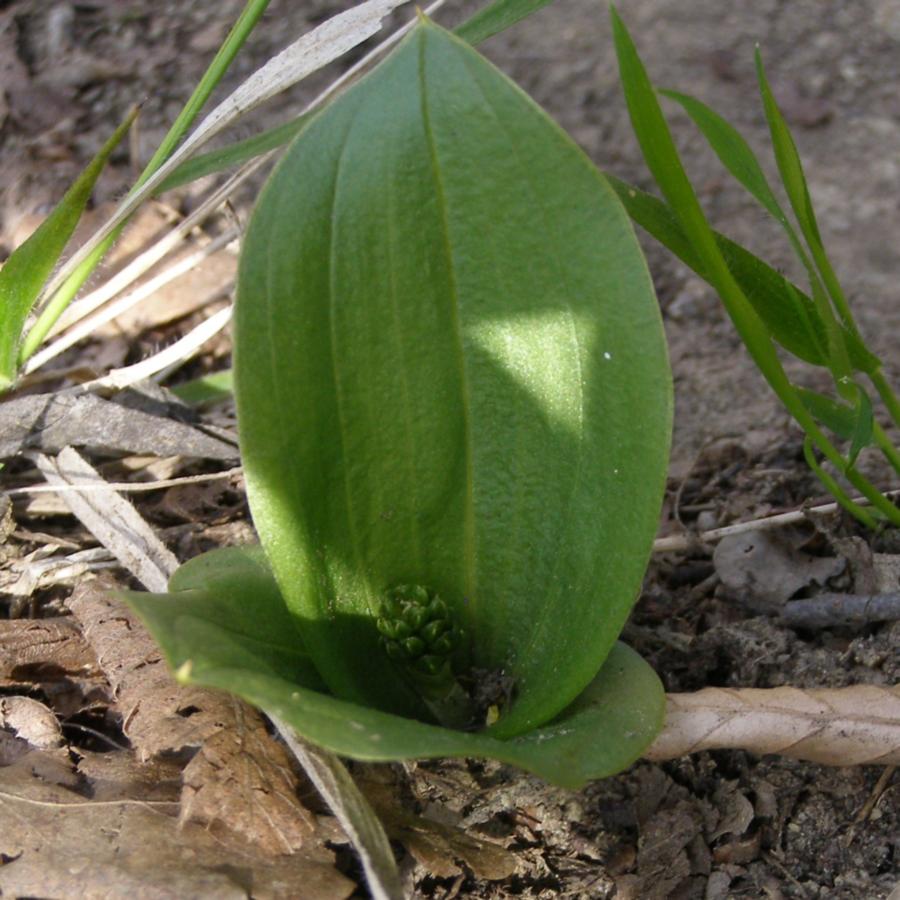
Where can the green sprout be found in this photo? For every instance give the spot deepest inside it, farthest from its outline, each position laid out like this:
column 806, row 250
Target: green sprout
column 765, row 307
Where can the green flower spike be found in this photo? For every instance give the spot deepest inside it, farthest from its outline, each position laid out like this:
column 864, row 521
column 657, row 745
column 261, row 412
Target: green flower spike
column 418, row 633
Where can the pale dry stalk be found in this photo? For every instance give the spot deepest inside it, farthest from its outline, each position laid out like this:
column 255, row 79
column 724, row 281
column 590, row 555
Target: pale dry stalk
column 848, row 726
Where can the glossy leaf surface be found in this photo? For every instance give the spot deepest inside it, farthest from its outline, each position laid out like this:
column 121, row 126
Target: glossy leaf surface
column 450, row 371
column 224, row 608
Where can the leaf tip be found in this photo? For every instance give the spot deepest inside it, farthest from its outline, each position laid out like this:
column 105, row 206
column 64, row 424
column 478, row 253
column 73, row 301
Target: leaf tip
column 184, row 671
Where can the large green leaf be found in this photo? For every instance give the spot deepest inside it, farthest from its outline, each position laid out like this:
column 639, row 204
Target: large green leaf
column 224, row 610
column 28, row 267
column 450, row 371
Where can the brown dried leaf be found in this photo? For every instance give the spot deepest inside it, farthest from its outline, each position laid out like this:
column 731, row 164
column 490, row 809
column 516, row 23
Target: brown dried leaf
column 838, row 727
column 735, row 810
column 57, row 844
column 31, row 721
column 662, row 860
column 119, row 776
column 241, row 784
column 36, row 651
column 765, row 569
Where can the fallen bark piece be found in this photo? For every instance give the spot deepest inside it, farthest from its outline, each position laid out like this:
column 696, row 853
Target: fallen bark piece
column 835, row 610
column 49, row 422
column 836, row 727
column 238, row 783
column 111, row 519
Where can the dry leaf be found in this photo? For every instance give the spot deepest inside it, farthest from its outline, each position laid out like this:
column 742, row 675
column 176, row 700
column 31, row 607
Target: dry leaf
column 55, row 843
column 119, row 776
column 766, row 568
column 38, row 651
column 435, row 845
column 837, row 727
column 31, row 721
column 241, row 784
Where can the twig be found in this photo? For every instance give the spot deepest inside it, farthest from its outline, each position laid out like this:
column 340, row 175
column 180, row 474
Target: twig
column 830, row 610
column 688, row 541
column 87, row 326
column 126, row 486
column 179, row 352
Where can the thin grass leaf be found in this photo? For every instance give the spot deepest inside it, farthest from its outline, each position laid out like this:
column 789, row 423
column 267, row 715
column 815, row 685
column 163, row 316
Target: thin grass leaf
column 838, row 417
column 663, row 161
column 842, row 497
column 790, row 168
column 731, row 148
column 788, row 160
column 497, row 17
column 24, row 273
column 796, row 325
column 234, row 154
column 214, row 73
column 863, row 425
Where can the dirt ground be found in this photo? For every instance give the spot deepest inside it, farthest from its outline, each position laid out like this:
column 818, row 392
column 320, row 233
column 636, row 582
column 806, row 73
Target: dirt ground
column 714, row 825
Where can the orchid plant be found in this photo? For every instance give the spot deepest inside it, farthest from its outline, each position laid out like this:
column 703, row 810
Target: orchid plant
column 454, row 404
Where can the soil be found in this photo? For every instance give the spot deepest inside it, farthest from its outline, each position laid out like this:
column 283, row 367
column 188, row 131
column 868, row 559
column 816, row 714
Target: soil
column 714, row 825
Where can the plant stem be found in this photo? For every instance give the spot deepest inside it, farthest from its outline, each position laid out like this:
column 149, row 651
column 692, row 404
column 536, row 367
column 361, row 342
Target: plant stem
column 888, row 397
column 835, row 489
column 886, row 447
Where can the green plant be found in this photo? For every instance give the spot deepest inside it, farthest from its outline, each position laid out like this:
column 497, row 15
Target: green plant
column 454, row 406
column 764, row 306
column 25, row 273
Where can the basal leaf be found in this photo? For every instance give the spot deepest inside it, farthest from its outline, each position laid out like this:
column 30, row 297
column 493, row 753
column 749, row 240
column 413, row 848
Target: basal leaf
column 214, row 638
column 226, row 605
column 450, row 372
column 28, row 267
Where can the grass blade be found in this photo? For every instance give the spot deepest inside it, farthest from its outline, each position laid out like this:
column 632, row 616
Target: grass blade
column 791, row 170
column 731, row 148
column 664, row 163
column 234, row 154
column 24, row 273
column 497, row 17
column 207, row 389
